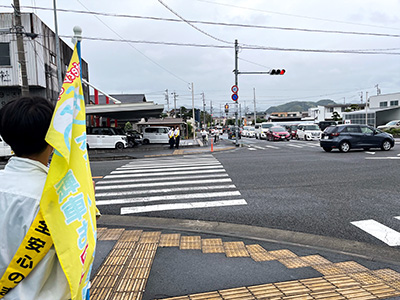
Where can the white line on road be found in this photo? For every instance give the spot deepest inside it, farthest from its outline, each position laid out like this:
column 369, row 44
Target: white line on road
column 164, row 183
column 170, row 190
column 272, row 147
column 167, row 169
column 395, row 157
column 172, row 165
column 167, row 197
column 379, row 231
column 253, row 149
column 296, row 146
column 368, row 152
column 174, row 206
column 165, row 174
column 136, row 180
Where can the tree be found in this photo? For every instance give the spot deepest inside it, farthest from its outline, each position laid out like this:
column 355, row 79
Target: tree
column 128, row 126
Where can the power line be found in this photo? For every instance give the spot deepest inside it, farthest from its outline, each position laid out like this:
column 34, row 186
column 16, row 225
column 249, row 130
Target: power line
column 247, row 47
column 129, row 43
column 190, row 24
column 214, row 23
column 293, row 15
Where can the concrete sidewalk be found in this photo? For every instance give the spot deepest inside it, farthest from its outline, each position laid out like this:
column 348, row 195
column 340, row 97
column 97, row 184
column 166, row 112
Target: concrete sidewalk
column 154, row 258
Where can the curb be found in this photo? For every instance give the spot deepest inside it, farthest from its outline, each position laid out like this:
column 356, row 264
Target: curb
column 278, row 236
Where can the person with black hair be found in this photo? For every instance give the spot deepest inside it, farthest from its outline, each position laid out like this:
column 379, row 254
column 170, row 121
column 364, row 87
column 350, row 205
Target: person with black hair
column 23, row 125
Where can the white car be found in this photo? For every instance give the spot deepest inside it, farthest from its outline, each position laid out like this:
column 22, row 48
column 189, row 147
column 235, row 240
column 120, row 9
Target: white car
column 105, row 137
column 156, row 135
column 391, row 124
column 308, row 132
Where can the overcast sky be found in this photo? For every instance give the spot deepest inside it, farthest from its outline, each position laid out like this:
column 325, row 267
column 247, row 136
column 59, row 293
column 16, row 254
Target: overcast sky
column 122, row 67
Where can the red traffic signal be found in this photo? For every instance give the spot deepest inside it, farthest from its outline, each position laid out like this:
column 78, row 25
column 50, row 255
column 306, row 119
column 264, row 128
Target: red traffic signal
column 277, row 72
column 226, row 106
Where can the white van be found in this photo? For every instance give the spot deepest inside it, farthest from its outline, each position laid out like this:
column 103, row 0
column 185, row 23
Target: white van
column 155, row 134
column 105, row 137
column 5, row 149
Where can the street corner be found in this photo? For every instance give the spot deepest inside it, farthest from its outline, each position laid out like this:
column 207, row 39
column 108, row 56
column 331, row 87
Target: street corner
column 163, row 265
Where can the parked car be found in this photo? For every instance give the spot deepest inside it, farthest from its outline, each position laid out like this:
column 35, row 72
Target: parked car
column 105, row 137
column 391, row 124
column 251, row 132
column 323, row 124
column 346, row 137
column 155, row 134
column 278, row 133
column 308, row 132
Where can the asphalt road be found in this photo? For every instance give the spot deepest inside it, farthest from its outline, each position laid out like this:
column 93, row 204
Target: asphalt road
column 292, row 186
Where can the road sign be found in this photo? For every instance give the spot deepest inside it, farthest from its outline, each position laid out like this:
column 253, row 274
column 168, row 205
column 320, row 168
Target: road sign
column 235, row 89
column 235, row 97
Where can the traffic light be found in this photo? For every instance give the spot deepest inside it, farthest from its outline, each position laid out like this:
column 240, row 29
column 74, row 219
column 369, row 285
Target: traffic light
column 277, row 72
column 226, row 108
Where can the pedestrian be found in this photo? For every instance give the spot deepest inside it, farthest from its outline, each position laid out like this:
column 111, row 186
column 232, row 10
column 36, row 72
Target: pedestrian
column 204, row 136
column 23, row 125
column 177, row 135
column 171, row 138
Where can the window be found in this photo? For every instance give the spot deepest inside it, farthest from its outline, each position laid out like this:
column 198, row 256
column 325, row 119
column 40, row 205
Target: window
column 366, row 130
column 394, row 103
column 383, row 104
column 53, row 59
column 5, row 54
column 151, row 130
column 331, row 109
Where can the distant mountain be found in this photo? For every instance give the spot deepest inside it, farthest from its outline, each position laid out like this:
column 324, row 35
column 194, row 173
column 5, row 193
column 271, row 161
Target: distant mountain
column 302, row 106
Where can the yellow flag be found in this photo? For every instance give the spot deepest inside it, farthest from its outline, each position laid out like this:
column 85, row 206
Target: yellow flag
column 68, row 204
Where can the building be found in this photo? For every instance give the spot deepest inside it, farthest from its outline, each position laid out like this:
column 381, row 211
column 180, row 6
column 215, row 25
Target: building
column 380, row 110
column 327, row 112
column 40, row 56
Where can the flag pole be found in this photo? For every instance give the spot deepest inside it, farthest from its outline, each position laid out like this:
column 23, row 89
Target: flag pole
column 77, row 40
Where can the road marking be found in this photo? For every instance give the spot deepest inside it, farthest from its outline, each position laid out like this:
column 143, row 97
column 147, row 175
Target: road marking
column 136, row 180
column 175, row 206
column 163, row 183
column 379, row 231
column 171, row 165
column 165, row 174
column 395, row 157
column 272, row 147
column 167, row 169
column 296, row 146
column 369, row 152
column 253, row 149
column 167, row 197
column 170, row 190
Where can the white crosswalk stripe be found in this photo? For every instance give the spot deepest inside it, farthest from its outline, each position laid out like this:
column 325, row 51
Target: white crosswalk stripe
column 169, row 183
column 382, row 232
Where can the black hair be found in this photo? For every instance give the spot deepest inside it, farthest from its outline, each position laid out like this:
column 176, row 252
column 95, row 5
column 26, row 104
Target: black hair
column 24, row 123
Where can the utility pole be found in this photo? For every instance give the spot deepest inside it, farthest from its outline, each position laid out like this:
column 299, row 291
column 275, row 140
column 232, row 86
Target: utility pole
column 366, row 108
column 175, row 95
column 211, row 112
column 255, row 112
column 58, row 54
column 237, row 102
column 167, row 99
column 21, row 49
column 194, row 119
column 204, row 110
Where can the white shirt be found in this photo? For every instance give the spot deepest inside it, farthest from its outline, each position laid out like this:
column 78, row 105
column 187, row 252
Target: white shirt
column 21, row 187
column 176, row 132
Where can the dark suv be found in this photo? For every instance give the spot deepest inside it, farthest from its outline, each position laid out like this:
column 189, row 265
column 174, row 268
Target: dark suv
column 346, row 137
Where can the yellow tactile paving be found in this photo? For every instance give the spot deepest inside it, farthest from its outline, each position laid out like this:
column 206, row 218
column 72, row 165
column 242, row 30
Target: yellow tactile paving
column 170, row 240
column 190, row 243
column 235, row 249
column 258, row 253
column 212, row 246
column 124, row 273
column 283, row 254
column 315, row 260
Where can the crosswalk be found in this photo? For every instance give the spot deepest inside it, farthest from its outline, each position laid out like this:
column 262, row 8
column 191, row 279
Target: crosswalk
column 168, row 183
column 282, row 145
column 379, row 231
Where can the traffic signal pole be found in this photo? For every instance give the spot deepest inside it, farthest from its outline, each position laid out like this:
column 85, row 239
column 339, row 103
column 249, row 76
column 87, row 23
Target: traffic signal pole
column 237, row 101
